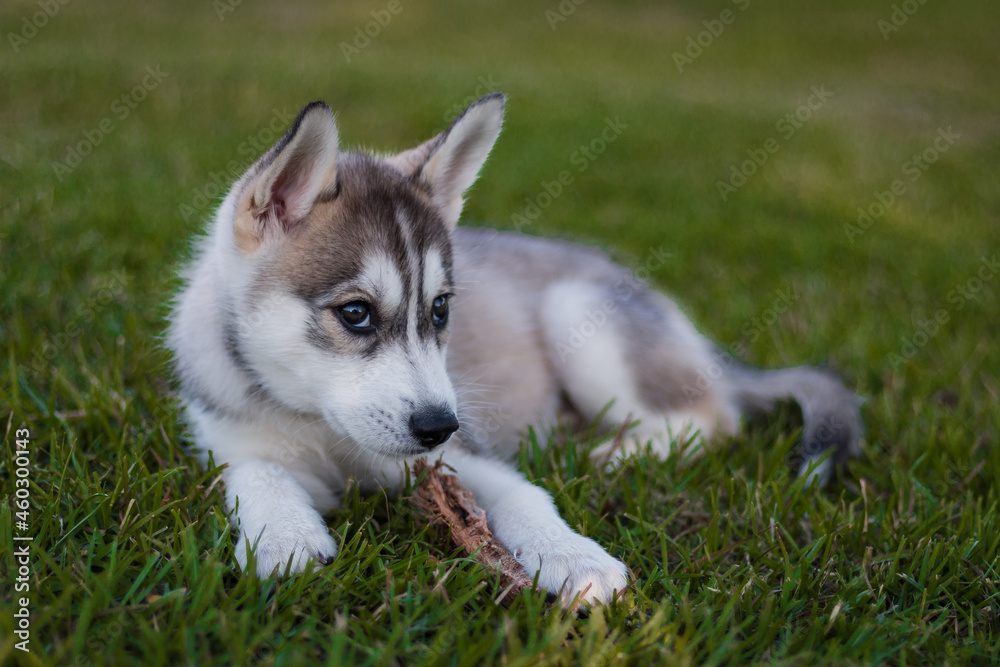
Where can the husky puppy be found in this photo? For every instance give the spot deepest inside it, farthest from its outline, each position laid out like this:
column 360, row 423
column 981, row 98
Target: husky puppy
column 335, row 323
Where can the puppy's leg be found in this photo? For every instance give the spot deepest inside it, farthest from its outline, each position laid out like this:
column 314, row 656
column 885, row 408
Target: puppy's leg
column 524, row 518
column 638, row 350
column 276, row 516
column 272, row 495
column 635, row 350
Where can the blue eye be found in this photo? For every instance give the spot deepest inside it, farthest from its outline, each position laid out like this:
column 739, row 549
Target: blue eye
column 356, row 315
column 439, row 311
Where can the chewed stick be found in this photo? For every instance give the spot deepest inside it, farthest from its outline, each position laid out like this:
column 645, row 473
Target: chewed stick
column 446, row 502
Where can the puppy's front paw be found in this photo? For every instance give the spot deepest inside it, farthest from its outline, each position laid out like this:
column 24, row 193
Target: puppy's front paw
column 278, row 547
column 574, row 565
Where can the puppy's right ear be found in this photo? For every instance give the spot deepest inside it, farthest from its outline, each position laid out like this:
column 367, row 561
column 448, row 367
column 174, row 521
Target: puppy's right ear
column 282, row 187
column 449, row 164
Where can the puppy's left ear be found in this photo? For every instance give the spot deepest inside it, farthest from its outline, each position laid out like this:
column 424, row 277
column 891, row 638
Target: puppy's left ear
column 281, row 189
column 449, row 163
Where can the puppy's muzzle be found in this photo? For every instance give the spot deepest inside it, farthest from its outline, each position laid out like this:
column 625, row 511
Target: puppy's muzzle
column 432, row 426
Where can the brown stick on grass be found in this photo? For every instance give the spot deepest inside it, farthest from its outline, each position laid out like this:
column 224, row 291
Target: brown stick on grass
column 445, row 501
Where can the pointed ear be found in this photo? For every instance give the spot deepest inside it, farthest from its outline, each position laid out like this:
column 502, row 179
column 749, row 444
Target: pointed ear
column 282, row 187
column 449, row 163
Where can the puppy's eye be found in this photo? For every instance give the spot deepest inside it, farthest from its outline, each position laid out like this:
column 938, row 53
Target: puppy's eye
column 439, row 311
column 356, row 315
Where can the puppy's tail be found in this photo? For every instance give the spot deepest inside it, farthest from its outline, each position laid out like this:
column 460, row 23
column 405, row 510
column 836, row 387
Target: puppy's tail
column 831, row 412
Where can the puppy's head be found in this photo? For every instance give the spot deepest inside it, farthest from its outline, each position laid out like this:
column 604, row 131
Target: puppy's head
column 341, row 275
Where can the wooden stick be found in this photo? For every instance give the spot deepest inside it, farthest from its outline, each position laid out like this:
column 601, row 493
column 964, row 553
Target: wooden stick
column 446, row 502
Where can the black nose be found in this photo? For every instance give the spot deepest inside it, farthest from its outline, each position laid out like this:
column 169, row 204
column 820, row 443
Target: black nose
column 432, row 426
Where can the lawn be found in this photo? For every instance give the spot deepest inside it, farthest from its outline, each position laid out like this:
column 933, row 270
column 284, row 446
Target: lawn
column 825, row 182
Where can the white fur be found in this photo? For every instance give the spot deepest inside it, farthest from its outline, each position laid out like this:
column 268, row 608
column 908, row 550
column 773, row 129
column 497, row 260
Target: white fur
column 455, row 165
column 592, row 362
column 276, row 517
column 302, row 170
column 381, row 279
column 434, row 277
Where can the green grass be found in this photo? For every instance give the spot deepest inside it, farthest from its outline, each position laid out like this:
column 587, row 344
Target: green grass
column 735, row 562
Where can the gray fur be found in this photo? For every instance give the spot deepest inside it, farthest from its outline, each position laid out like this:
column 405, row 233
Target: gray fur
column 830, row 412
column 665, row 356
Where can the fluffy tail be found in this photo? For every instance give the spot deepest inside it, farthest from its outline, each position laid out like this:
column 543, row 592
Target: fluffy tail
column 830, row 412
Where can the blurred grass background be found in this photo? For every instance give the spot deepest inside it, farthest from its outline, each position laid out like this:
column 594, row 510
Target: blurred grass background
column 87, row 261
